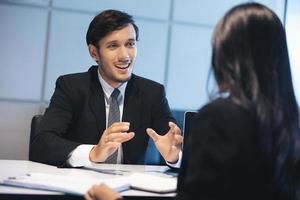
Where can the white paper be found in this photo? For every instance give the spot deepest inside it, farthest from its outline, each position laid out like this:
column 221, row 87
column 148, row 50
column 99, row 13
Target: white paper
column 153, row 183
column 79, row 184
column 64, row 183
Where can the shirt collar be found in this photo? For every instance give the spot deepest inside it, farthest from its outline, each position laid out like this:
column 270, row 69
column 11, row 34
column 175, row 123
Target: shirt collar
column 109, row 89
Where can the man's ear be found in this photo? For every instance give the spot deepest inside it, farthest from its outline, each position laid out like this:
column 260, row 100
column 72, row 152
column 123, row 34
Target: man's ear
column 93, row 52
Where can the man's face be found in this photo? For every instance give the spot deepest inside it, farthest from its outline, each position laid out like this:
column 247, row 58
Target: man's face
column 116, row 55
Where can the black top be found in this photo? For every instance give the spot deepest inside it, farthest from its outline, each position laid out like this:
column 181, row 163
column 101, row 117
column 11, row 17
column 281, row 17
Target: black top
column 76, row 115
column 222, row 158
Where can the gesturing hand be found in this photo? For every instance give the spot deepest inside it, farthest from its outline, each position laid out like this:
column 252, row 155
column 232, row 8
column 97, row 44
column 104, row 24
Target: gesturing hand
column 169, row 145
column 110, row 140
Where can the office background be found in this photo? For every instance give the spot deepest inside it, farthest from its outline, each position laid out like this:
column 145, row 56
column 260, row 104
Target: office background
column 42, row 39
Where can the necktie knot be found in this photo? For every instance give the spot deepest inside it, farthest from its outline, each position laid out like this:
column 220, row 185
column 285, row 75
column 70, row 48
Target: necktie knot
column 114, row 95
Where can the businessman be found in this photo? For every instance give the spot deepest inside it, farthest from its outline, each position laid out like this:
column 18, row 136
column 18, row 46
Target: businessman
column 106, row 115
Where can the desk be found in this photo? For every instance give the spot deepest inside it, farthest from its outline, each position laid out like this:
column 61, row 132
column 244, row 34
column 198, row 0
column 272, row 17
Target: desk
column 19, row 167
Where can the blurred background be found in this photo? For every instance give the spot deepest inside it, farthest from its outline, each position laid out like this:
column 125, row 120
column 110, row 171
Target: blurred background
column 43, row 39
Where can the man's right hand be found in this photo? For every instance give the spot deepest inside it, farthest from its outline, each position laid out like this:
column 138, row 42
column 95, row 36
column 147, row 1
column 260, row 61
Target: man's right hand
column 110, row 140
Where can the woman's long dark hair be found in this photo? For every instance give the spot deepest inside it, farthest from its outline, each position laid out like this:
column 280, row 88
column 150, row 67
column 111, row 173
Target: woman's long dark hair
column 250, row 61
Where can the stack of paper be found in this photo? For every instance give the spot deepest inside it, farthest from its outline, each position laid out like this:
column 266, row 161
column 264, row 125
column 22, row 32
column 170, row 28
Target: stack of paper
column 79, row 184
column 64, row 183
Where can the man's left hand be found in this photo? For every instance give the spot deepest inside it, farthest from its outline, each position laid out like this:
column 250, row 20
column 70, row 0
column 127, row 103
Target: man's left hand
column 169, row 145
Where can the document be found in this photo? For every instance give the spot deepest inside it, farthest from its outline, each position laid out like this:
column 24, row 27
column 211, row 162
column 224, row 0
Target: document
column 149, row 178
column 79, row 184
column 65, row 183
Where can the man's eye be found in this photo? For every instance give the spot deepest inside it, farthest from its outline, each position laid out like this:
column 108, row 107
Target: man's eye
column 112, row 46
column 131, row 44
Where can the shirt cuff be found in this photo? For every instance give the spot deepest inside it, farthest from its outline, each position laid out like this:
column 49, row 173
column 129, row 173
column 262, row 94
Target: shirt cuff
column 80, row 156
column 178, row 163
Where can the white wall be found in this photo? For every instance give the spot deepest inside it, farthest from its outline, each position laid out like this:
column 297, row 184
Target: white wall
column 293, row 32
column 42, row 39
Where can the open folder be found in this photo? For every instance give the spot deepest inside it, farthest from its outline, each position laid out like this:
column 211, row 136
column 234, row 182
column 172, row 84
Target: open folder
column 80, row 185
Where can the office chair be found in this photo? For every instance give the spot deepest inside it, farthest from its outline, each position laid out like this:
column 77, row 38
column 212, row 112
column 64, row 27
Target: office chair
column 36, row 119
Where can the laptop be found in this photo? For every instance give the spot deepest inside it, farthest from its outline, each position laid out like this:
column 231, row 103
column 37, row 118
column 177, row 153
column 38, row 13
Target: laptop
column 187, row 125
column 187, row 128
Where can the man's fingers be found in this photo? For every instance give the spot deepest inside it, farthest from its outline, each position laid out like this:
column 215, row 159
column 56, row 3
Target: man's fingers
column 171, row 124
column 174, row 128
column 125, row 137
column 129, row 136
column 120, row 124
column 152, row 134
column 119, row 137
column 114, row 131
column 178, row 139
column 118, row 127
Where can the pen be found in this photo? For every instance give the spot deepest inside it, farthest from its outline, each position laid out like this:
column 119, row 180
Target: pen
column 110, row 171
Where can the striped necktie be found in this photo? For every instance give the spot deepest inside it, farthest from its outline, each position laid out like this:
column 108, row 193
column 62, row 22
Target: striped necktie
column 113, row 116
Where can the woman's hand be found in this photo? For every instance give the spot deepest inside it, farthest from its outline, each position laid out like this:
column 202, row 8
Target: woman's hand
column 101, row 192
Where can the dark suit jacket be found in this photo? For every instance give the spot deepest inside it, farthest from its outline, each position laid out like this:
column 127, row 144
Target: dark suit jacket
column 76, row 115
column 222, row 158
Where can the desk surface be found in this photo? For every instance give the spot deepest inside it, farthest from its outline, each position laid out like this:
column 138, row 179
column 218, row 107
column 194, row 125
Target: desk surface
column 20, row 167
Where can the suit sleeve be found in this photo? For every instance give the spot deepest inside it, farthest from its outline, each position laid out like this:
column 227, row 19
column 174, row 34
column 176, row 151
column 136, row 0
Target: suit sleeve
column 49, row 146
column 208, row 158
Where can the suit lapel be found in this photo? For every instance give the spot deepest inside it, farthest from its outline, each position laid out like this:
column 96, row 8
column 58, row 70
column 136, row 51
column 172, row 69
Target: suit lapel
column 132, row 104
column 96, row 101
column 132, row 113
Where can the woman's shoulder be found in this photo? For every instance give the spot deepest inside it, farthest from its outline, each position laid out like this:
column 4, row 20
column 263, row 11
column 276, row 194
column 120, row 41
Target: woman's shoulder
column 224, row 106
column 225, row 112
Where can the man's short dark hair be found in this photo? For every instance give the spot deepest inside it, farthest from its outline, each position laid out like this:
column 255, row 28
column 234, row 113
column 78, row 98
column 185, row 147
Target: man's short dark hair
column 107, row 22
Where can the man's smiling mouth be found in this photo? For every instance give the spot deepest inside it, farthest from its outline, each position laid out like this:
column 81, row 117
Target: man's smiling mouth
column 123, row 65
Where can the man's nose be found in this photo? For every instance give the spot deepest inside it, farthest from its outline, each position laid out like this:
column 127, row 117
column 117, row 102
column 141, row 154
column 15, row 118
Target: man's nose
column 123, row 53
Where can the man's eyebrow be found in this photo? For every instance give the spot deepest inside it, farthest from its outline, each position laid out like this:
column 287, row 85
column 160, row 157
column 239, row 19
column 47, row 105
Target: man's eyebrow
column 116, row 41
column 110, row 42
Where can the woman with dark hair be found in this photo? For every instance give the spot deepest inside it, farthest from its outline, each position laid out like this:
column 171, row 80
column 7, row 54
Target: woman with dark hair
column 245, row 143
column 244, row 146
